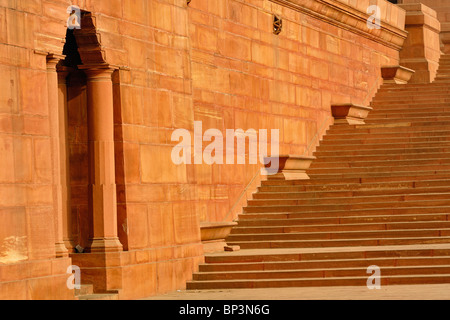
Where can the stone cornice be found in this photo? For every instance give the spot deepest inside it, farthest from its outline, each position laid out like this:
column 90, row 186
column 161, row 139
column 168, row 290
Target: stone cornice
column 354, row 19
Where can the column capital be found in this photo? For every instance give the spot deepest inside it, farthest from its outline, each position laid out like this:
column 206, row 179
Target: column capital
column 53, row 60
column 102, row 72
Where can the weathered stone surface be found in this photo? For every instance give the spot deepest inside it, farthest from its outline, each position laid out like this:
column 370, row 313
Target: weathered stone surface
column 218, row 62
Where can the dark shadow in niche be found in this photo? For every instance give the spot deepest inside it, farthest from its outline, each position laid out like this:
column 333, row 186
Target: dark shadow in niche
column 73, row 58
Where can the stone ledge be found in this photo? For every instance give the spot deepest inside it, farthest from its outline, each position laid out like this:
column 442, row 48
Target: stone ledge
column 354, row 18
column 290, row 167
column 349, row 113
column 396, row 74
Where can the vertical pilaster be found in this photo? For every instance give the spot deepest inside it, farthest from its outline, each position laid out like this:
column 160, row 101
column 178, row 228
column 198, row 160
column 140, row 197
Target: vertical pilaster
column 102, row 159
column 64, row 153
column 54, row 112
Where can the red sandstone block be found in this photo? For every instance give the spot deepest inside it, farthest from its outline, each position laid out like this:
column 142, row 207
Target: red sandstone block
column 137, row 53
column 13, row 195
column 133, row 10
column 8, row 94
column 161, row 16
column 33, row 91
column 7, row 159
column 181, row 17
column 139, row 281
column 262, row 54
column 19, row 21
column 166, row 277
column 235, row 47
column 186, row 226
column 131, row 162
column 160, row 219
column 3, row 35
column 41, row 239
column 42, row 161
column 137, row 226
column 14, row 291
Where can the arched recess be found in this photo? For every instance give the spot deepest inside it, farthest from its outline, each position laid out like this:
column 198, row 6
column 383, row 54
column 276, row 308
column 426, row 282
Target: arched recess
column 93, row 151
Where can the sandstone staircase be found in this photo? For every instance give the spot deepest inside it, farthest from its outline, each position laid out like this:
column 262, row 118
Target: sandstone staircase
column 379, row 195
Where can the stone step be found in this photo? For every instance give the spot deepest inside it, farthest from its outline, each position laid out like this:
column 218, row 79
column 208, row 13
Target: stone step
column 372, row 171
column 295, row 212
column 287, row 255
column 386, row 94
column 391, row 128
column 412, row 87
column 438, row 120
column 435, row 111
column 411, row 98
column 320, row 273
column 85, row 289
column 386, row 145
column 300, row 200
column 387, row 150
column 262, row 206
column 323, row 227
column 294, row 194
column 382, row 135
column 103, row 296
column 308, row 186
column 337, row 182
column 325, row 264
column 344, row 220
column 374, row 140
column 316, row 282
column 411, row 115
column 380, row 163
column 342, row 235
column 324, row 243
column 416, row 106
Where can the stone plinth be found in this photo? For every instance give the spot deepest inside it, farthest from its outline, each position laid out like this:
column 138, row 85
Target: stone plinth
column 442, row 9
column 291, row 167
column 350, row 113
column 213, row 235
column 396, row 74
column 422, row 50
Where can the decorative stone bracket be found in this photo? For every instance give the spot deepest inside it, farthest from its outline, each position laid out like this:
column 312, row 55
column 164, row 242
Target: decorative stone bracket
column 350, row 113
column 291, row 167
column 213, row 235
column 396, row 74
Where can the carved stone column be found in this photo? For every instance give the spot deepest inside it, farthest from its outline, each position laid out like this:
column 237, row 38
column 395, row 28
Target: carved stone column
column 102, row 161
column 64, row 153
column 54, row 112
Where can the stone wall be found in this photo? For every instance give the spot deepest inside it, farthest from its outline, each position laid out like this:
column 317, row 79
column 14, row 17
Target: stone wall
column 216, row 61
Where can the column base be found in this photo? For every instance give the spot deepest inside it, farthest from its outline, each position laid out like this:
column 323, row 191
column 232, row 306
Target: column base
column 61, row 250
column 100, row 245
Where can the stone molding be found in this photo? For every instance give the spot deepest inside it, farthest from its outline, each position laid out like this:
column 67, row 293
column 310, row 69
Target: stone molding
column 396, row 74
column 213, row 235
column 354, row 19
column 350, row 113
column 290, row 167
